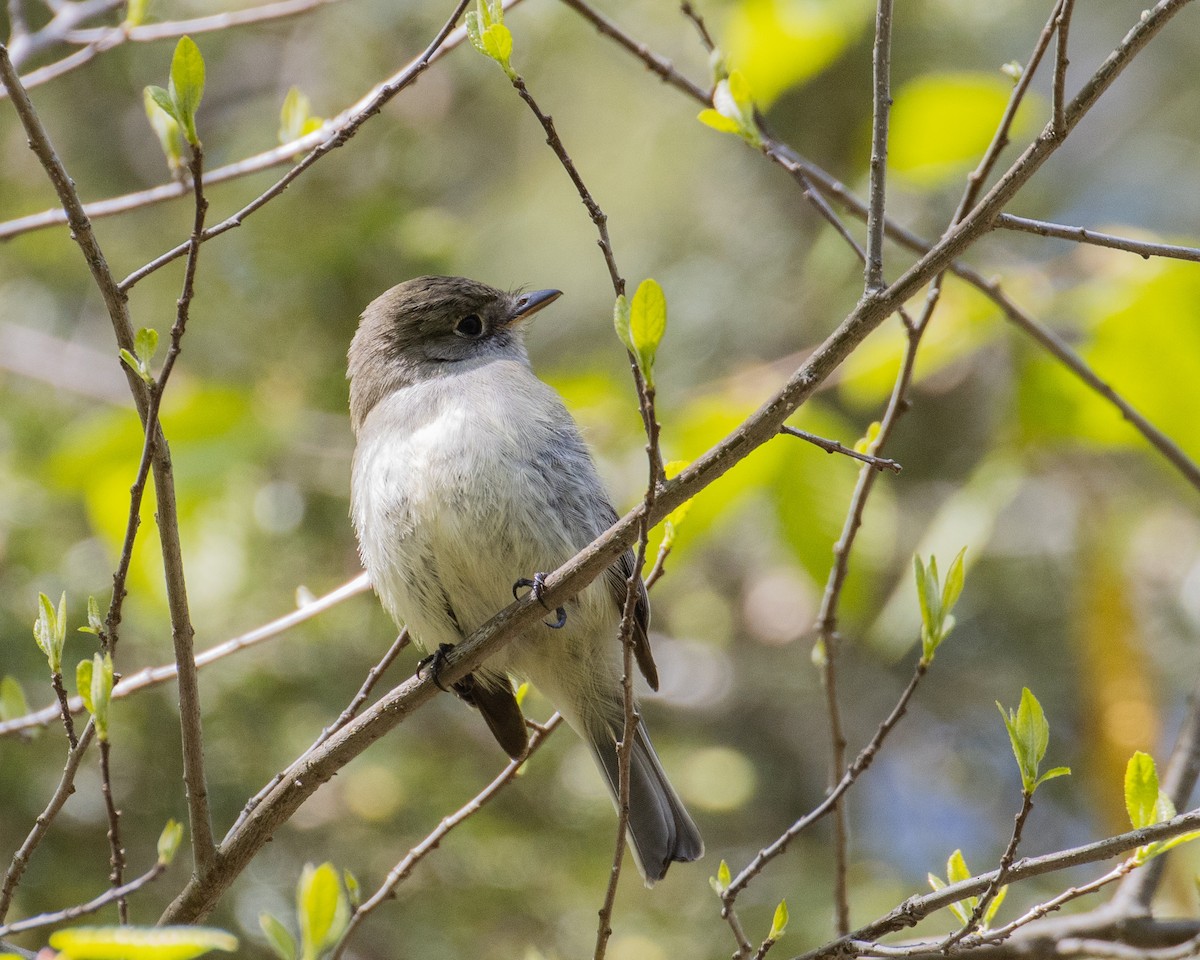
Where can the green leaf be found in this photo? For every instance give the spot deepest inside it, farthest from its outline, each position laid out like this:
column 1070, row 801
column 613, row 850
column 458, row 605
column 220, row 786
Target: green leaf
column 295, row 117
column 621, row 321
column 1141, row 789
column 956, row 868
column 12, row 699
column 779, row 922
column 50, row 630
column 955, row 577
column 318, row 903
column 169, row 840
column 83, row 683
column 1029, row 734
column 145, row 344
column 647, row 324
column 720, row 883
column 140, row 943
column 95, row 620
column 990, row 913
column 280, row 940
column 187, row 85
column 710, row 117
column 1052, row 773
column 162, row 99
column 475, row 31
column 94, row 680
column 164, row 124
column 353, row 888
column 497, row 43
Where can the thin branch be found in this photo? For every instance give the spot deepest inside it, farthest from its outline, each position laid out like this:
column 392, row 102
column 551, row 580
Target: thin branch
column 66, row 787
column 25, row 45
column 1062, row 24
column 915, row 909
column 881, row 106
column 856, row 768
column 697, row 21
column 1136, row 891
column 351, row 711
column 331, row 134
column 1142, row 248
column 404, row 868
column 99, row 40
column 993, row 888
column 116, row 857
column 153, row 676
column 118, row 895
column 64, row 707
column 832, row 446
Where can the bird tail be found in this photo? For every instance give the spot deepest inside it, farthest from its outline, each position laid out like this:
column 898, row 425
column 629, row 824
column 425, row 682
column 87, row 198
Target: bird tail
column 660, row 829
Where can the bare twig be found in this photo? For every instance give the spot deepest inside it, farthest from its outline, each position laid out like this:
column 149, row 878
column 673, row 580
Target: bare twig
column 153, row 676
column 832, row 446
column 331, row 134
column 860, row 763
column 97, row 40
column 118, row 895
column 1062, row 24
column 351, row 711
column 64, row 707
column 1142, row 248
column 697, row 21
column 405, row 867
column 993, row 888
column 66, row 786
column 116, row 857
column 881, row 107
column 915, row 909
column 168, row 517
column 25, row 45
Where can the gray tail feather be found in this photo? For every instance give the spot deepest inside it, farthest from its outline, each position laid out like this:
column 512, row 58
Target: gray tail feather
column 660, row 829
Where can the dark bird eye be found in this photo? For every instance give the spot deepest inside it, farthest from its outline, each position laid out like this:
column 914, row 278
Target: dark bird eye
column 469, row 326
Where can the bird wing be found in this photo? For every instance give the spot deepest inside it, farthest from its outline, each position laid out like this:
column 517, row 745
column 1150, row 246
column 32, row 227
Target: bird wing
column 617, row 578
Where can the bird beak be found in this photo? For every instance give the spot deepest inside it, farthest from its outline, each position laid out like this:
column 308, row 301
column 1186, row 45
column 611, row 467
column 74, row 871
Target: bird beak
column 527, row 304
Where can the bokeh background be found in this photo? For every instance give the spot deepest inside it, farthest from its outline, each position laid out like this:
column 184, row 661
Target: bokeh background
column 1083, row 546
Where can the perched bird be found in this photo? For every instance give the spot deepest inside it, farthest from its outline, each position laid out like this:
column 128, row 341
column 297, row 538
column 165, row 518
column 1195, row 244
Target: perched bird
column 469, row 478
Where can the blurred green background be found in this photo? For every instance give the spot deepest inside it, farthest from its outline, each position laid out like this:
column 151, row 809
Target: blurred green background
column 1084, row 547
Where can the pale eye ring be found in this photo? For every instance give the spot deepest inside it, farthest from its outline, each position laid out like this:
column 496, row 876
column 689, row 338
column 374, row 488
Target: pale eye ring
column 469, row 326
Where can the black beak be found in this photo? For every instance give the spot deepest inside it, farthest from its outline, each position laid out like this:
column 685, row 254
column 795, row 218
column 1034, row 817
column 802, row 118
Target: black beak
column 527, row 304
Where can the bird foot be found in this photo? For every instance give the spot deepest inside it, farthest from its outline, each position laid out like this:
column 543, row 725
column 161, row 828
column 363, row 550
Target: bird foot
column 537, row 587
column 433, row 663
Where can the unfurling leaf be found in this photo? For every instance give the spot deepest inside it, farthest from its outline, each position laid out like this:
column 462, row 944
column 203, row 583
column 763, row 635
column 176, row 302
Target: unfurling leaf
column 161, row 114
column 733, row 109
column 647, row 324
column 779, row 922
column 94, row 680
column 278, row 937
column 168, row 841
column 186, row 85
column 1141, row 789
column 50, row 630
column 295, row 117
column 720, row 883
column 321, row 908
column 95, row 624
column 936, row 601
column 489, row 35
column 1029, row 734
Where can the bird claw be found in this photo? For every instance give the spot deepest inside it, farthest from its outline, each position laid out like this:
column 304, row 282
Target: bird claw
column 433, row 663
column 537, row 587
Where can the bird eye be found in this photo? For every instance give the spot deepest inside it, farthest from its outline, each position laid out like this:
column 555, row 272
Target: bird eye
column 469, row 326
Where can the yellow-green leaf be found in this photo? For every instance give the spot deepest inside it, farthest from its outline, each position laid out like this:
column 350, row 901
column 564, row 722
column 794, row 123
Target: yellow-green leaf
column 168, row 841
column 187, row 85
column 1141, row 789
column 12, row 699
column 718, row 121
column 317, row 899
column 83, row 683
column 497, row 43
column 278, row 936
column 647, row 324
column 779, row 922
column 140, row 943
column 160, row 113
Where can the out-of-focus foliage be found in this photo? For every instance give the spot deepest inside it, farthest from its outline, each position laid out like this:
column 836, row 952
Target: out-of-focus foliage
column 1084, row 547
